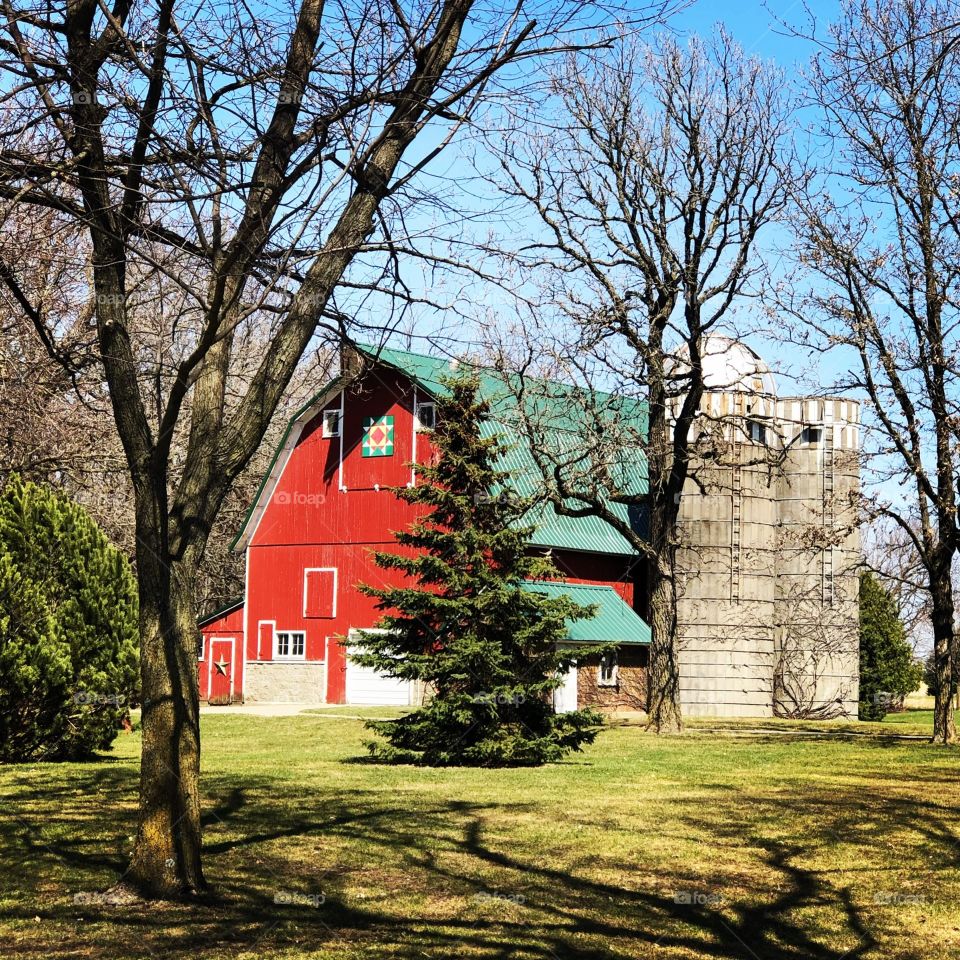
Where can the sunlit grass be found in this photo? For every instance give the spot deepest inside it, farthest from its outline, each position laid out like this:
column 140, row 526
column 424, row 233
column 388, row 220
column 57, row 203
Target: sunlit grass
column 785, row 845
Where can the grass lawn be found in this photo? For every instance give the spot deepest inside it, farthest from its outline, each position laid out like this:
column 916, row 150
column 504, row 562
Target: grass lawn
column 727, row 842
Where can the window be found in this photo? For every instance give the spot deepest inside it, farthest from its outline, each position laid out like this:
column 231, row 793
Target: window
column 811, row 436
column 757, row 431
column 200, row 641
column 331, row 422
column 289, row 645
column 426, row 416
column 607, row 673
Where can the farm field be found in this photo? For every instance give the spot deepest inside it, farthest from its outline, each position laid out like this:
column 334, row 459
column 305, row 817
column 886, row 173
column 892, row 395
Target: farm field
column 756, row 839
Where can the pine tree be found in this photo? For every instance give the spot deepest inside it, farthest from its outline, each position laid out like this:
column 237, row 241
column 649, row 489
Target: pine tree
column 68, row 628
column 465, row 626
column 888, row 671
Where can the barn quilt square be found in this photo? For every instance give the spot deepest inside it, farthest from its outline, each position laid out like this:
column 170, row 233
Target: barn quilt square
column 378, row 437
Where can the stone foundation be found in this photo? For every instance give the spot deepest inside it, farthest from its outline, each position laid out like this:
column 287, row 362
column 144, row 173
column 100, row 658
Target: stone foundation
column 283, row 681
column 630, row 690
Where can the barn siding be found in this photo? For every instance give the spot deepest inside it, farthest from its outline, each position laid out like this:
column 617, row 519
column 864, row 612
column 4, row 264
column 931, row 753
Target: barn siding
column 228, row 625
column 313, row 520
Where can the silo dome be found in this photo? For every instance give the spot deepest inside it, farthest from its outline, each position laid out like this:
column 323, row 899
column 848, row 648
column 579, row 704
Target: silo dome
column 730, row 366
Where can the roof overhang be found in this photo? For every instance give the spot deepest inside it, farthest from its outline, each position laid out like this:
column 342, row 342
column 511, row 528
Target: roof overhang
column 614, row 622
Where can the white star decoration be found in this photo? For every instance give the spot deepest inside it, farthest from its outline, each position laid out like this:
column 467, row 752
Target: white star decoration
column 221, row 665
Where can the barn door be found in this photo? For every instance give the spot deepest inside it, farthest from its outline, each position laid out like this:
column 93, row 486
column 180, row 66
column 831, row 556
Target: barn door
column 220, row 680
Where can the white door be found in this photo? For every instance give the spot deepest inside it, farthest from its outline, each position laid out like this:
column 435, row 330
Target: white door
column 565, row 696
column 368, row 687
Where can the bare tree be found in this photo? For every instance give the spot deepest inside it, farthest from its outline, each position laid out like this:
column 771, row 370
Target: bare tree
column 225, row 167
column 880, row 232
column 665, row 164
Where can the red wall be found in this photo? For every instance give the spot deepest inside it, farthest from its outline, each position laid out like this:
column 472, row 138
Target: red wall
column 311, row 522
column 229, row 625
column 620, row 573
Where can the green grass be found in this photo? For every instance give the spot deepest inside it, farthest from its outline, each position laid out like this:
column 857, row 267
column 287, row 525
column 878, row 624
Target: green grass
column 791, row 846
column 914, row 718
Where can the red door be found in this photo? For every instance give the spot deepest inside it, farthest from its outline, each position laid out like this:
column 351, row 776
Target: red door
column 220, row 682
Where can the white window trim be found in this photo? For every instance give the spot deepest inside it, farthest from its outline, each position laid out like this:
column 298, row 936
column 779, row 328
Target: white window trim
column 332, row 570
column 419, row 423
column 615, row 678
column 289, row 656
column 203, row 648
column 325, row 430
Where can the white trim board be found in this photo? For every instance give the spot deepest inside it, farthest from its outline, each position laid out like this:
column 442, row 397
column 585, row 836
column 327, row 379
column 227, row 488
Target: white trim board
column 233, row 657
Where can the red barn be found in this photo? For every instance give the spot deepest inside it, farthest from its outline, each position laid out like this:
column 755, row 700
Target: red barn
column 325, row 506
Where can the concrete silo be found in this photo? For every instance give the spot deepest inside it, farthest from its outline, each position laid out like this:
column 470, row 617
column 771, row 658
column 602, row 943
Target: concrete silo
column 767, row 563
column 819, row 556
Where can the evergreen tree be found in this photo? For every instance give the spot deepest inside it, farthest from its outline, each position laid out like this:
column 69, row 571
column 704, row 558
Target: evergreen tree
column 465, row 626
column 68, row 628
column 888, row 671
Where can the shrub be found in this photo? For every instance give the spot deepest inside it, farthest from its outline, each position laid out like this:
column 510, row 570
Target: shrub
column 888, row 671
column 68, row 629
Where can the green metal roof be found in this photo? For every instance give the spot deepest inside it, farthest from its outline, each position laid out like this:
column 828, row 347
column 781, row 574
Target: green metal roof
column 557, row 410
column 615, row 621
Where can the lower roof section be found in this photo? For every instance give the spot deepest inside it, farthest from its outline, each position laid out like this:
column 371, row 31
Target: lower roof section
column 615, row 621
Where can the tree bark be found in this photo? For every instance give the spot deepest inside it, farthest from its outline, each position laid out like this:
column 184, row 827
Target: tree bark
column 166, row 859
column 663, row 671
column 944, row 725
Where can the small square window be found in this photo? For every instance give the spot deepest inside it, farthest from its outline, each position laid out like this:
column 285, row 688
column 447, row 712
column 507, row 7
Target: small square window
column 607, row 672
column 289, row 645
column 426, row 416
column 811, row 436
column 331, row 422
column 757, row 431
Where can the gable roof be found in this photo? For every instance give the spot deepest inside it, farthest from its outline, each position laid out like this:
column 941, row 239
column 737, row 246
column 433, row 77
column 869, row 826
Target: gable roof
column 614, row 622
column 557, row 408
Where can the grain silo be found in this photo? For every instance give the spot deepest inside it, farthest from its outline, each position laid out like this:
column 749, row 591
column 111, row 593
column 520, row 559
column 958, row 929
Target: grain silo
column 767, row 562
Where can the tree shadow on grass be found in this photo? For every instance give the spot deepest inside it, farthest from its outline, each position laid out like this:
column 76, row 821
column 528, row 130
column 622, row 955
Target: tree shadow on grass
column 358, row 873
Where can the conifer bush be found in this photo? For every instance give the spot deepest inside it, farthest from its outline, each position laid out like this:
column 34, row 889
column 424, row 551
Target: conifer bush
column 464, row 627
column 888, row 671
column 68, row 629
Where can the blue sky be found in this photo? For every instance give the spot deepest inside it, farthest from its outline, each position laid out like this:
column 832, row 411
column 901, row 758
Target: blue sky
column 753, row 24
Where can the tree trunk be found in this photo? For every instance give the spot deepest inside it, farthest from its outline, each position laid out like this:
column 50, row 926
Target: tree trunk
column 944, row 727
column 663, row 671
column 166, row 856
